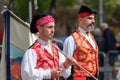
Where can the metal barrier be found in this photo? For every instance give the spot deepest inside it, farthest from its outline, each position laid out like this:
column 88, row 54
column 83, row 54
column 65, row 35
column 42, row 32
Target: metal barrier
column 108, row 65
column 112, row 56
column 103, row 66
column 114, row 63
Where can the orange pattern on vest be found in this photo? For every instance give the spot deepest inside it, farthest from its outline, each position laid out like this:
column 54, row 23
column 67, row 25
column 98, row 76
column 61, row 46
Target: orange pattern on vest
column 85, row 55
column 44, row 59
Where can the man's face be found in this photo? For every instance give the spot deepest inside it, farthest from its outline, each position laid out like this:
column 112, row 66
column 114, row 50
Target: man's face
column 88, row 23
column 47, row 31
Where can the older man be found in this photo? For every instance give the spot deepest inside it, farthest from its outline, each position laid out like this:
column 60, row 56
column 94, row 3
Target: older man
column 82, row 46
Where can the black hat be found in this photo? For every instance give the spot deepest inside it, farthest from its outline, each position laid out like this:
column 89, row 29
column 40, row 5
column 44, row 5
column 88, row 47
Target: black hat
column 85, row 11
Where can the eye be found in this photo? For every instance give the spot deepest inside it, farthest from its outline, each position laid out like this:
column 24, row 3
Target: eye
column 50, row 26
column 90, row 18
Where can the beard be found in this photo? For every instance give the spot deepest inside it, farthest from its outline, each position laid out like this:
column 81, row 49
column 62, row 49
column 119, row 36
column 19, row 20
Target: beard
column 90, row 27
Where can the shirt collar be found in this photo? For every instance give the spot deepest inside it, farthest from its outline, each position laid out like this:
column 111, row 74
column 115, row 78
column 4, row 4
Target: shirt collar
column 82, row 30
column 42, row 41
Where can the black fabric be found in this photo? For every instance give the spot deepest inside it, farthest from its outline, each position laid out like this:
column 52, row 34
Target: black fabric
column 84, row 9
column 91, row 78
column 110, row 40
column 71, row 76
column 35, row 17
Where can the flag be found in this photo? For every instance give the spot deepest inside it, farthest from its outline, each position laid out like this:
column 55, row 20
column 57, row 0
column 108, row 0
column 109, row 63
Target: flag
column 2, row 24
column 17, row 39
column 2, row 51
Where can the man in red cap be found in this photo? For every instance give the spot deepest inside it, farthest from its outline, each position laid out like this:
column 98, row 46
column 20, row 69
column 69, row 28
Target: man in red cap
column 43, row 61
column 82, row 46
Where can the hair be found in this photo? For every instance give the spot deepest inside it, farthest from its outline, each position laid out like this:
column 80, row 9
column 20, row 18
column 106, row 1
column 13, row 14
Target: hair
column 33, row 28
column 105, row 25
column 97, row 32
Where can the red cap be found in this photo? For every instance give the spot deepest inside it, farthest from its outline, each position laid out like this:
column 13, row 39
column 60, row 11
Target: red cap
column 44, row 20
column 81, row 15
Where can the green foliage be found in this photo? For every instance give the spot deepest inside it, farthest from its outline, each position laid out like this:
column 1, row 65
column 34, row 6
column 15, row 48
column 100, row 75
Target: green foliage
column 43, row 5
column 69, row 9
column 20, row 8
column 109, row 7
column 66, row 3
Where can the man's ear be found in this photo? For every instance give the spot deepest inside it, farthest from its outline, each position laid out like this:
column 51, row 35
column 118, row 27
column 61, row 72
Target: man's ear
column 79, row 19
column 39, row 29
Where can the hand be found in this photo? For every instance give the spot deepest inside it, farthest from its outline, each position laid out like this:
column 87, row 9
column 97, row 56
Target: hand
column 69, row 62
column 55, row 72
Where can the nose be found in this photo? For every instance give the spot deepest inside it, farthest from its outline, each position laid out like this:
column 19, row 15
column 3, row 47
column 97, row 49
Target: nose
column 53, row 29
column 93, row 20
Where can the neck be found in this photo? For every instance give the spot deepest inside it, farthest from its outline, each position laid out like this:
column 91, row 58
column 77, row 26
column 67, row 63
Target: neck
column 83, row 28
column 44, row 39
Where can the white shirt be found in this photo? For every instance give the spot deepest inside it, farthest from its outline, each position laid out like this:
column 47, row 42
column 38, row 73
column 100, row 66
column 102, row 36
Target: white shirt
column 28, row 70
column 69, row 45
column 118, row 75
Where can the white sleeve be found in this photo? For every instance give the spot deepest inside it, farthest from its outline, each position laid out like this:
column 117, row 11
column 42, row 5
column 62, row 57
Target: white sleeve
column 28, row 70
column 68, row 48
column 118, row 75
column 66, row 72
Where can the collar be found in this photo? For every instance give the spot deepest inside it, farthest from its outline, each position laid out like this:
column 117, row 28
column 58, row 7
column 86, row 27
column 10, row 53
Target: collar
column 82, row 30
column 42, row 42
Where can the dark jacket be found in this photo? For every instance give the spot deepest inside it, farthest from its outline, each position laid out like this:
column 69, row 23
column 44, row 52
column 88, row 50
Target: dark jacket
column 110, row 41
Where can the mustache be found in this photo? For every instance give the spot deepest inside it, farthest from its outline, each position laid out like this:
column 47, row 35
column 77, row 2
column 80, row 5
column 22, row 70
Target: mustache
column 92, row 24
column 91, row 27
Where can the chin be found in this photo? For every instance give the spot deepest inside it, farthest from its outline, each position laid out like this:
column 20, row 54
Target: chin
column 50, row 37
column 91, row 28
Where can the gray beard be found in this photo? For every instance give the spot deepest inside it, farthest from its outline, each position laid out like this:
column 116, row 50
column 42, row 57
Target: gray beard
column 90, row 27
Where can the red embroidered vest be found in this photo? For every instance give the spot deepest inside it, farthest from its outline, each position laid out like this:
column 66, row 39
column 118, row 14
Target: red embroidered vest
column 44, row 59
column 85, row 55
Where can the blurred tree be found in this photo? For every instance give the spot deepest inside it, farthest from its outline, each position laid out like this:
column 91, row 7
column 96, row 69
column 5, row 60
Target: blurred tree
column 65, row 11
column 20, row 8
column 65, row 16
column 114, row 18
column 52, row 7
column 110, row 10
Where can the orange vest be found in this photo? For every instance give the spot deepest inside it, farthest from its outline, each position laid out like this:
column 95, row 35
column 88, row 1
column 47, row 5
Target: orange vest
column 44, row 59
column 85, row 55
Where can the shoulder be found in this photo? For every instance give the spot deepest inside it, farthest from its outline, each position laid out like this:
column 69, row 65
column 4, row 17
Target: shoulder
column 69, row 38
column 30, row 52
column 69, row 41
column 29, row 56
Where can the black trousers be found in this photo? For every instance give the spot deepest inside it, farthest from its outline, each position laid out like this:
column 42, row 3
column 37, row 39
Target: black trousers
column 90, row 78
